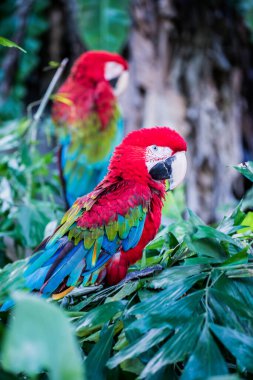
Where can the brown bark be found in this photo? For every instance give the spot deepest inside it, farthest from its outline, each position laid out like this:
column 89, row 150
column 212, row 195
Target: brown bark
column 186, row 73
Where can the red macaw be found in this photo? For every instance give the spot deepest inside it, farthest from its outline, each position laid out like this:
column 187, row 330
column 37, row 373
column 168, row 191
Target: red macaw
column 89, row 122
column 106, row 230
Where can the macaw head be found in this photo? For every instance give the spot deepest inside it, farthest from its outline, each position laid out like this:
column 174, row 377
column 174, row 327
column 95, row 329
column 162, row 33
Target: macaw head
column 151, row 155
column 97, row 66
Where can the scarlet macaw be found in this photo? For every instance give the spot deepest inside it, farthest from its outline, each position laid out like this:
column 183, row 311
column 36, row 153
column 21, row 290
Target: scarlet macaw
column 106, row 230
column 88, row 120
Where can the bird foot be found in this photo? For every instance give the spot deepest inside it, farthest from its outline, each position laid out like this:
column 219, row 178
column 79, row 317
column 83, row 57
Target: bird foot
column 78, row 292
column 142, row 273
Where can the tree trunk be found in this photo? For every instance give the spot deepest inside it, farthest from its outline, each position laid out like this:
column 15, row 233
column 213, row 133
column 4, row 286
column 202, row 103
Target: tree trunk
column 189, row 67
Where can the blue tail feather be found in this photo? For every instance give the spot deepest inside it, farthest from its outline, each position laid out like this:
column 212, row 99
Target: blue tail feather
column 65, row 268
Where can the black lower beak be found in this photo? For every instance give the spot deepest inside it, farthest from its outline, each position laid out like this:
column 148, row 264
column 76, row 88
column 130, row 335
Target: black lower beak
column 113, row 82
column 162, row 170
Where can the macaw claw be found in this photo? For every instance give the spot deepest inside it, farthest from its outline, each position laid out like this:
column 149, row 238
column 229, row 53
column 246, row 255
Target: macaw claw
column 142, row 273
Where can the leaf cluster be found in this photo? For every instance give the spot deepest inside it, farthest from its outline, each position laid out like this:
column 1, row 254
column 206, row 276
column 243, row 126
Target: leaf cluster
column 103, row 24
column 27, row 191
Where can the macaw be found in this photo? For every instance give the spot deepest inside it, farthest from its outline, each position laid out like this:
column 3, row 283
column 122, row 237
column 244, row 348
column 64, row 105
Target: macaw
column 106, row 230
column 88, row 120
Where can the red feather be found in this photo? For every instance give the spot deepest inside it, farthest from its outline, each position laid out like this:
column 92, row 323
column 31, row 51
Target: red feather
column 132, row 185
column 86, row 90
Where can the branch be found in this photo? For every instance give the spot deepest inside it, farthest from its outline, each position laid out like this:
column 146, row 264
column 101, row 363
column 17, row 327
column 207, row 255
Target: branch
column 46, row 97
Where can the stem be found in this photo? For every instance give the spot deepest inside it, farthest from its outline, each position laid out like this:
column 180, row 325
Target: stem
column 46, row 97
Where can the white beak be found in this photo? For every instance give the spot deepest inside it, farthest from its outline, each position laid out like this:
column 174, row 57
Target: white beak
column 179, row 166
column 122, row 83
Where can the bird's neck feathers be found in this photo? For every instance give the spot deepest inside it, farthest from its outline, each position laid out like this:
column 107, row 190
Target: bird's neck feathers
column 128, row 164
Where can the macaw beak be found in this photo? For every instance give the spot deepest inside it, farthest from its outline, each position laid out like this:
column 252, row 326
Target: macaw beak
column 119, row 84
column 172, row 169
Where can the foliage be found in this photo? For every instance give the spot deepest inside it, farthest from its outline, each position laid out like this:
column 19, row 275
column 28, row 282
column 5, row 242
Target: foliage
column 104, row 24
column 8, row 43
column 174, row 205
column 36, row 25
column 192, row 320
column 40, row 338
column 27, row 193
column 246, row 168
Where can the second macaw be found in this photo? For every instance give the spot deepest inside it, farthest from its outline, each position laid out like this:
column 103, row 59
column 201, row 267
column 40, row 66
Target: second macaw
column 88, row 120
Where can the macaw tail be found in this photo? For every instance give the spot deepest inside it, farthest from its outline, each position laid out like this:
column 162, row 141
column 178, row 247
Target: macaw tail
column 63, row 264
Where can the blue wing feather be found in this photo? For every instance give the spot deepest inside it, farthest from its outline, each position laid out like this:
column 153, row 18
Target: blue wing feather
column 63, row 262
column 111, row 246
column 67, row 265
column 134, row 236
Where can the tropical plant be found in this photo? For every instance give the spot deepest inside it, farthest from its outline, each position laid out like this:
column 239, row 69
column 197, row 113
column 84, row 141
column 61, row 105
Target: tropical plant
column 40, row 338
column 104, row 24
column 27, row 196
column 193, row 320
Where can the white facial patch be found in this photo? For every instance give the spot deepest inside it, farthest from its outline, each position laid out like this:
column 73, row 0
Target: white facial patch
column 113, row 70
column 154, row 154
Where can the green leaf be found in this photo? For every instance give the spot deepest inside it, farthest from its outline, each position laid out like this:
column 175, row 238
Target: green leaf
column 175, row 274
column 174, row 204
column 206, row 360
column 239, row 258
column 98, row 356
column 246, row 168
column 173, row 292
column 240, row 289
column 98, row 316
column 232, row 223
column 30, row 219
column 104, row 24
column 206, row 247
column 194, row 219
column 54, row 64
column 153, row 337
column 247, row 221
column 40, row 338
column 176, row 348
column 126, row 290
column 231, row 303
column 240, row 345
column 8, row 43
column 171, row 315
column 11, row 278
column 209, row 232
column 247, row 202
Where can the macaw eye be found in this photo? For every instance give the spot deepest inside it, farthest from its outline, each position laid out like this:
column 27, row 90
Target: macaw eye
column 154, row 148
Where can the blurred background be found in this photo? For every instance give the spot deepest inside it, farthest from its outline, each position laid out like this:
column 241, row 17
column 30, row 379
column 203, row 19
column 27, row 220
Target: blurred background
column 191, row 68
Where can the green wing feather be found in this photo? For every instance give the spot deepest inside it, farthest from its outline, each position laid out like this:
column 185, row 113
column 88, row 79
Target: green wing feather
column 75, row 255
